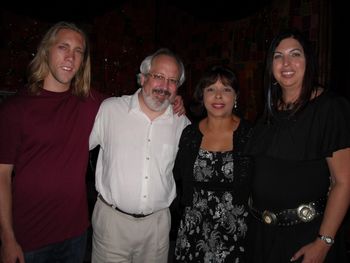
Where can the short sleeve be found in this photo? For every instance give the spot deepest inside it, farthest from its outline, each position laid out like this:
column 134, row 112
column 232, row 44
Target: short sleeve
column 10, row 131
column 94, row 138
column 336, row 129
column 320, row 129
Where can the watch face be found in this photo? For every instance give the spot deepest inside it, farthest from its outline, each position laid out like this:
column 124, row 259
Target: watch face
column 328, row 240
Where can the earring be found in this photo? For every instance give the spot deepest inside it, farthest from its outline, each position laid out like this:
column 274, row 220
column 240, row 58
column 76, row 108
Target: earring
column 235, row 105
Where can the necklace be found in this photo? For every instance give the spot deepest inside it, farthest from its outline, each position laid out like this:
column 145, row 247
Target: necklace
column 287, row 106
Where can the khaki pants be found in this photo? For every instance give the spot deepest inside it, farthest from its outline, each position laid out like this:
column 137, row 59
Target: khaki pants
column 122, row 238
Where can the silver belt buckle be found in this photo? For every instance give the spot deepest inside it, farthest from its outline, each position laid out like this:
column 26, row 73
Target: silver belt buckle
column 269, row 217
column 306, row 213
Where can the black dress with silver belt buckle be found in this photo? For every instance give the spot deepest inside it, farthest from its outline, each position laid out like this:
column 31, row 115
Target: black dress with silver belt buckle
column 291, row 169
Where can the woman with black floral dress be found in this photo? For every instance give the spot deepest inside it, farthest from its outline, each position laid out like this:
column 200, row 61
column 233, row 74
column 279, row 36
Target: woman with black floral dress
column 213, row 176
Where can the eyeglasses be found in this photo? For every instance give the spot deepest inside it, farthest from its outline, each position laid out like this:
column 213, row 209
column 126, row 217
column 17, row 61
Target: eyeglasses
column 160, row 78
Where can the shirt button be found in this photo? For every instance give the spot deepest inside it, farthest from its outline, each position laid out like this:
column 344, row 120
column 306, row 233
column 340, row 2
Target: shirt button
column 146, row 177
column 148, row 140
column 147, row 158
column 144, row 196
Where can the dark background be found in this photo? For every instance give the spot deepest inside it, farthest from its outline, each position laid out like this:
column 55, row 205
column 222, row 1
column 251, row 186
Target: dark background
column 122, row 33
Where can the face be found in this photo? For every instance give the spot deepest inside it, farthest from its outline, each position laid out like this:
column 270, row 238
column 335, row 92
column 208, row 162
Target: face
column 64, row 59
column 160, row 85
column 288, row 65
column 219, row 99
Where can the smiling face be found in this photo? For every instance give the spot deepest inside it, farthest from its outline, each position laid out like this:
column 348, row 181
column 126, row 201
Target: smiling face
column 160, row 85
column 289, row 64
column 64, row 60
column 219, row 99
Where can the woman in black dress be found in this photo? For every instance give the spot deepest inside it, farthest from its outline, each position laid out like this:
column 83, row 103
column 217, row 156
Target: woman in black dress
column 213, row 175
column 301, row 184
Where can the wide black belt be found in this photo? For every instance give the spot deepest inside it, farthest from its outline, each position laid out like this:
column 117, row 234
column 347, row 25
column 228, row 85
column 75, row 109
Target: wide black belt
column 304, row 213
column 121, row 211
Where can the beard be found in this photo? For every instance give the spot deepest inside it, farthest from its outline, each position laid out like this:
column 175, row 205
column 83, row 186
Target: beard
column 153, row 103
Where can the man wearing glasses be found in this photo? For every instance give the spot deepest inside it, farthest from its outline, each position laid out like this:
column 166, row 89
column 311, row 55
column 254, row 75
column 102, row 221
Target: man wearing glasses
column 138, row 137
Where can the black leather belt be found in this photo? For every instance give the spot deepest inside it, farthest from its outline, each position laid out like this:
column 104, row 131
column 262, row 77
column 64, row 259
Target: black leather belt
column 121, row 211
column 288, row 217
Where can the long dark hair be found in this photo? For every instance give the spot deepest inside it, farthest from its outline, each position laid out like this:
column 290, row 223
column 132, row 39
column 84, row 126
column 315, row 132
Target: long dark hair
column 273, row 92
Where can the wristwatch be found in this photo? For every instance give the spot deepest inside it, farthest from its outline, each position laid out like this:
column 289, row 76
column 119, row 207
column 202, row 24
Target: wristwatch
column 327, row 239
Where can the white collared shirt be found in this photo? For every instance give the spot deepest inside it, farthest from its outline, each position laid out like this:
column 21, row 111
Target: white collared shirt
column 136, row 158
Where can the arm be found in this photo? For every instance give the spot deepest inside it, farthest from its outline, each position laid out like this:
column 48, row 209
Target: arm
column 336, row 208
column 178, row 106
column 11, row 252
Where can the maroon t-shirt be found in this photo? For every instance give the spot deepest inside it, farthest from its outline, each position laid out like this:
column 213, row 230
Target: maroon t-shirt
column 46, row 137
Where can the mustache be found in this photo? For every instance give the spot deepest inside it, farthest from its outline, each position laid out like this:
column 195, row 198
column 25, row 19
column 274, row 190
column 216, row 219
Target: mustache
column 161, row 92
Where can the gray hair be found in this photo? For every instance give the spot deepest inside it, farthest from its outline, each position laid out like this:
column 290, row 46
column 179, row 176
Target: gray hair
column 145, row 66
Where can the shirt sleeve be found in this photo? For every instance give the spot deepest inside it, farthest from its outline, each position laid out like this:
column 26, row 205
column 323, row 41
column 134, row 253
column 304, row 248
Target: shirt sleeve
column 336, row 129
column 10, row 132
column 94, row 138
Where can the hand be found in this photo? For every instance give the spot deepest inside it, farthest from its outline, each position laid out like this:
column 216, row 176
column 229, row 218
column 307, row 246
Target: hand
column 178, row 106
column 11, row 252
column 314, row 252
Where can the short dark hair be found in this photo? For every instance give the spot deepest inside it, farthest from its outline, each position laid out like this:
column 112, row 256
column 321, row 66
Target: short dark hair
column 213, row 74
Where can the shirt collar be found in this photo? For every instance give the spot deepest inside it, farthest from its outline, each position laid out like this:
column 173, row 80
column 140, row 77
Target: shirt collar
column 134, row 102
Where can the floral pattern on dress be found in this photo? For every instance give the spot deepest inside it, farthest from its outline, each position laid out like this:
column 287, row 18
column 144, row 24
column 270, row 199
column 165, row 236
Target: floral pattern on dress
column 213, row 229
